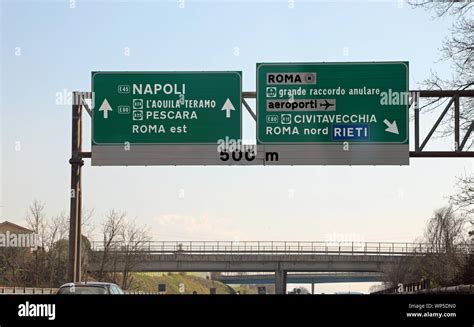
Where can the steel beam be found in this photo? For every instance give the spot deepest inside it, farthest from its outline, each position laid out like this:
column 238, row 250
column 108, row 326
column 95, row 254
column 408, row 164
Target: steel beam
column 466, row 136
column 444, row 93
column 438, row 121
column 441, row 154
column 254, row 116
column 417, row 121
column 74, row 263
column 456, row 123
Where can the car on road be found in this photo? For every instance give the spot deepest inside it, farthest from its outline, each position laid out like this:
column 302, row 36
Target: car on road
column 90, row 288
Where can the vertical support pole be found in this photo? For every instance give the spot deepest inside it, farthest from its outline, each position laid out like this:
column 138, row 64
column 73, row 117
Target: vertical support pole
column 417, row 121
column 280, row 281
column 312, row 288
column 74, row 263
column 456, row 123
column 79, row 200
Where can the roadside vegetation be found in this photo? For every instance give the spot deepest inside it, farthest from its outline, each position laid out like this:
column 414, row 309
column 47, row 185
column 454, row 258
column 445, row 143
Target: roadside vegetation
column 177, row 283
column 449, row 232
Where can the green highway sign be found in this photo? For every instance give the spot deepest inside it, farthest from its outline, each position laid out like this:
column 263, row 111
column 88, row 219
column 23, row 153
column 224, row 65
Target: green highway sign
column 332, row 103
column 166, row 107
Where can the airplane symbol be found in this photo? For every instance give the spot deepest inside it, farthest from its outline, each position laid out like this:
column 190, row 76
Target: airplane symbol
column 327, row 104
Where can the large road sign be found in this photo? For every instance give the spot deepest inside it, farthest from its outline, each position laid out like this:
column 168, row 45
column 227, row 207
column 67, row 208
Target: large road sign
column 333, row 113
column 308, row 103
column 164, row 118
column 165, row 107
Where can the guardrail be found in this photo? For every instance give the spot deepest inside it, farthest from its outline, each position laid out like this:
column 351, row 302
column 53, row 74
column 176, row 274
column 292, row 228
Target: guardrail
column 138, row 292
column 271, row 247
column 458, row 289
column 315, row 274
column 423, row 287
column 405, row 288
column 27, row 290
column 36, row 290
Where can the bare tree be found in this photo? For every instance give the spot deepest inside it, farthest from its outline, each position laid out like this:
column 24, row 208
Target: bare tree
column 56, row 248
column 36, row 221
column 86, row 246
column 463, row 199
column 87, row 225
column 45, row 266
column 112, row 229
column 458, row 49
column 135, row 239
column 19, row 266
column 446, row 235
column 446, row 231
column 48, row 268
column 446, row 239
column 56, row 231
column 12, row 265
column 406, row 270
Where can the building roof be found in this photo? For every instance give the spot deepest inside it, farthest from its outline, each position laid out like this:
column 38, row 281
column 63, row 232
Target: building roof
column 11, row 227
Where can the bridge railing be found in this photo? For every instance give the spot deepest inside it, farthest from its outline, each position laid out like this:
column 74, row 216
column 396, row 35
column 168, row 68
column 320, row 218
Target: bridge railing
column 271, row 247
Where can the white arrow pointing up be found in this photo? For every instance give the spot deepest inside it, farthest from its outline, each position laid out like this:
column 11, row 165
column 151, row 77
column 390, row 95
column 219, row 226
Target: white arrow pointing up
column 228, row 106
column 391, row 127
column 105, row 107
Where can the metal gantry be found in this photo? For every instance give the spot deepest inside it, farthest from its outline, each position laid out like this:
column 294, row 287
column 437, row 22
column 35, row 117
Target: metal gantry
column 77, row 154
column 414, row 102
column 459, row 146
